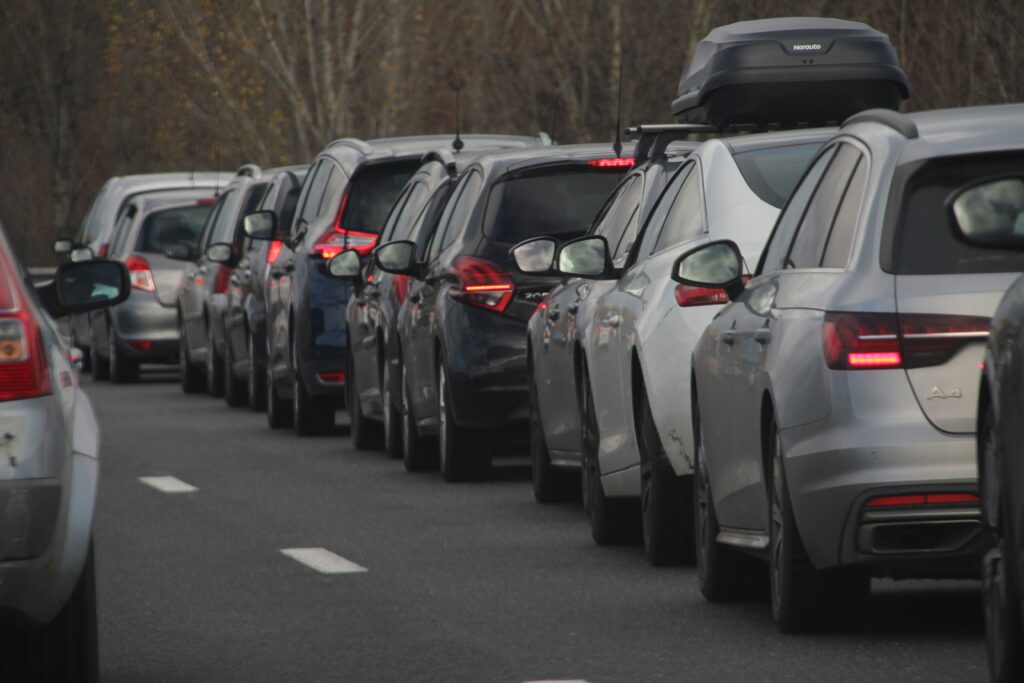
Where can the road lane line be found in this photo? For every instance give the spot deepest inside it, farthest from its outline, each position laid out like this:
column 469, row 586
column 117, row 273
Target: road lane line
column 560, row 680
column 323, row 560
column 168, row 484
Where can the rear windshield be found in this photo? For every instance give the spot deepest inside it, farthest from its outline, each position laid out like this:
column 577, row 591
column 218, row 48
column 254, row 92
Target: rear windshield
column 561, row 202
column 773, row 173
column 372, row 193
column 170, row 226
column 925, row 241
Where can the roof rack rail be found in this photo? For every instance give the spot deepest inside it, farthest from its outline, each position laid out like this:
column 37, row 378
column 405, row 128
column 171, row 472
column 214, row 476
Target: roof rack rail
column 655, row 139
column 642, row 128
column 545, row 139
column 354, row 143
column 250, row 170
column 887, row 117
column 444, row 156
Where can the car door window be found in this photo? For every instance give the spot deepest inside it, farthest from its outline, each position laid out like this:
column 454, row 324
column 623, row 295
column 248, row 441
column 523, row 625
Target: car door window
column 428, row 220
column 840, row 239
column 315, row 195
column 442, row 223
column 210, row 229
column 410, row 211
column 396, row 211
column 334, row 187
column 652, row 227
column 121, row 230
column 782, row 236
column 809, row 242
column 685, row 220
column 455, row 213
column 619, row 218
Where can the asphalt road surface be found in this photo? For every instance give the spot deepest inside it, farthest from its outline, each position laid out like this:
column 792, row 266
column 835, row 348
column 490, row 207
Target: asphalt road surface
column 435, row 582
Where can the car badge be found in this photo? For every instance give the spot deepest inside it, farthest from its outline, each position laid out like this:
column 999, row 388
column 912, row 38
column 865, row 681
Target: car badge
column 937, row 392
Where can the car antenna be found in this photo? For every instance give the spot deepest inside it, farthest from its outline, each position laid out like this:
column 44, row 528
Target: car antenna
column 457, row 143
column 618, row 120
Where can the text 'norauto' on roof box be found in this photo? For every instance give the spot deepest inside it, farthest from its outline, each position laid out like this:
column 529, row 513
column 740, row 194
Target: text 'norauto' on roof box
column 789, row 72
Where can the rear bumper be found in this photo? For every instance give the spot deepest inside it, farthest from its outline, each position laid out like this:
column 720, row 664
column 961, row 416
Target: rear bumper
column 141, row 318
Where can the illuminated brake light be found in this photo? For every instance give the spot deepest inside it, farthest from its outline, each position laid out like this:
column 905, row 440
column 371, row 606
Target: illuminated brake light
column 331, row 377
column 622, row 162
column 482, row 284
column 922, row 499
column 140, row 274
column 884, row 359
column 210, row 201
column 140, row 344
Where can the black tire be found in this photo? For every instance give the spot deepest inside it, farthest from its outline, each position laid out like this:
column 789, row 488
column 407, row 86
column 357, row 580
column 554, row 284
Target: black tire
column 462, row 456
column 723, row 573
column 365, row 432
column 311, row 416
column 613, row 521
column 235, row 391
column 803, row 597
column 214, row 366
column 392, row 414
column 419, row 453
column 279, row 410
column 666, row 499
column 1004, row 632
column 256, row 386
column 122, row 370
column 192, row 380
column 100, row 365
column 550, row 484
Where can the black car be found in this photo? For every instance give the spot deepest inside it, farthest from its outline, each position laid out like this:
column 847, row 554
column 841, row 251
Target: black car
column 462, row 328
column 245, row 319
column 345, row 200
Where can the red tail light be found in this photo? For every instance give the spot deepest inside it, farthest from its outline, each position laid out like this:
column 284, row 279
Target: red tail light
column 274, row 251
column 222, row 279
column 101, row 251
column 400, row 286
column 141, row 275
column 702, row 296
column 922, row 499
column 140, row 344
column 332, row 377
column 24, row 371
column 482, row 284
column 337, row 238
column 864, row 341
column 620, row 162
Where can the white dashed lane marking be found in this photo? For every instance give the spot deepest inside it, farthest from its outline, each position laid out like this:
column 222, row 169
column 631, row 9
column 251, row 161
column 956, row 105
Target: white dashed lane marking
column 560, row 680
column 323, row 560
column 168, row 484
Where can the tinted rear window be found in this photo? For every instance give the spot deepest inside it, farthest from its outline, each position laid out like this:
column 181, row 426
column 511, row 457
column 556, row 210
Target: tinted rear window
column 925, row 242
column 372, row 193
column 562, row 202
column 773, row 173
column 163, row 228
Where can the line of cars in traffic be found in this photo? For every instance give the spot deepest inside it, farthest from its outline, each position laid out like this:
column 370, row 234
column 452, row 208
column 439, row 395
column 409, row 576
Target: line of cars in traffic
column 758, row 351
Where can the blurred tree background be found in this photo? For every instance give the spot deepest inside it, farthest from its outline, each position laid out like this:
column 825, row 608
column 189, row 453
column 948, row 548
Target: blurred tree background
column 95, row 88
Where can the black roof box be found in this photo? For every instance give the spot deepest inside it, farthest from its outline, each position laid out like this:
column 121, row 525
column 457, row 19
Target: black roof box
column 789, row 72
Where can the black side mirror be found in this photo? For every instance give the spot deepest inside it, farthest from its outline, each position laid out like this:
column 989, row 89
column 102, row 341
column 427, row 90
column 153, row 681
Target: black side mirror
column 179, row 251
column 260, row 225
column 586, row 257
column 63, row 246
column 990, row 213
column 346, row 266
column 715, row 265
column 397, row 257
column 85, row 286
column 220, row 252
column 535, row 256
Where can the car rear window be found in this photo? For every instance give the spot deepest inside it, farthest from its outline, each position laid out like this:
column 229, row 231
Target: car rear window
column 561, row 202
column 773, row 173
column 925, row 242
column 163, row 228
column 373, row 192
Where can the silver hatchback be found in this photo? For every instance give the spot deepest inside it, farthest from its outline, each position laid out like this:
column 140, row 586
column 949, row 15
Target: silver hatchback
column 836, row 396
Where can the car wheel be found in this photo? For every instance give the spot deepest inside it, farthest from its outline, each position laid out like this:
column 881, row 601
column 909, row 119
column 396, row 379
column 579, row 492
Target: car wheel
column 550, row 484
column 235, row 393
column 311, row 416
column 459, row 459
column 363, row 430
column 666, row 499
column 723, row 574
column 214, row 367
column 122, row 370
column 100, row 365
column 392, row 415
column 613, row 521
column 256, row 387
column 417, row 455
column 192, row 379
column 803, row 597
column 69, row 644
column 1004, row 641
column 279, row 410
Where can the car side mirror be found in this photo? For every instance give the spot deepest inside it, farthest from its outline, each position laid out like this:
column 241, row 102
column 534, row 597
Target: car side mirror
column 586, row 257
column 63, row 246
column 81, row 254
column 990, row 213
column 346, row 266
column 535, row 256
column 220, row 252
column 178, row 251
column 715, row 265
column 83, row 286
column 396, row 257
column 260, row 225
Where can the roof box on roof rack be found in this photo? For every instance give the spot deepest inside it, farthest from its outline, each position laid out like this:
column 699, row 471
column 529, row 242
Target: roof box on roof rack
column 789, row 72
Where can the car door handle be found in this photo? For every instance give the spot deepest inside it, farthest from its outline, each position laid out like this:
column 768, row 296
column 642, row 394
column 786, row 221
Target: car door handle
column 615, row 320
column 554, row 314
column 762, row 336
column 572, row 308
column 729, row 337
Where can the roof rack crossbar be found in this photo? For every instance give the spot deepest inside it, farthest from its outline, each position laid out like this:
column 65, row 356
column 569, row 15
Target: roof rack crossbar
column 643, row 128
column 655, row 139
column 355, row 143
column 887, row 117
